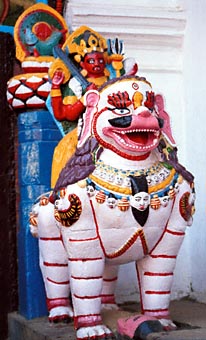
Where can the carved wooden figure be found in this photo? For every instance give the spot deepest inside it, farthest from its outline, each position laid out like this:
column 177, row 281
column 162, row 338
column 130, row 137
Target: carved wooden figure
column 121, row 197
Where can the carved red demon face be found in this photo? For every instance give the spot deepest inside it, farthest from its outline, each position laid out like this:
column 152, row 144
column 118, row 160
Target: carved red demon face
column 126, row 121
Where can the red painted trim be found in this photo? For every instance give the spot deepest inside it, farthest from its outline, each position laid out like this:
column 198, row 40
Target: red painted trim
column 58, row 302
column 84, row 240
column 50, row 238
column 125, row 247
column 140, row 288
column 156, row 310
column 86, row 277
column 176, row 233
column 86, row 297
column 155, row 292
column 47, row 264
column 158, row 274
column 161, row 237
column 144, row 243
column 110, row 280
column 97, row 229
column 164, row 256
column 85, row 259
column 87, row 320
column 57, row 282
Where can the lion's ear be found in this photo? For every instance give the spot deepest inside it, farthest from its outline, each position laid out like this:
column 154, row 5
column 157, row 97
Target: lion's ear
column 163, row 115
column 159, row 101
column 91, row 99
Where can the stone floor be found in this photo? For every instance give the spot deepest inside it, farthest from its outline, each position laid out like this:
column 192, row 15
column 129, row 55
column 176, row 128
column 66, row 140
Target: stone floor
column 189, row 316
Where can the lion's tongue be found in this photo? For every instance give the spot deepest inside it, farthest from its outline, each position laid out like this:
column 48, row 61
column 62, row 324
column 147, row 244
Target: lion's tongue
column 139, row 138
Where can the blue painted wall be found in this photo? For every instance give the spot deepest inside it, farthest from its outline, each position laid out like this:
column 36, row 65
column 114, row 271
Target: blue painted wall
column 37, row 136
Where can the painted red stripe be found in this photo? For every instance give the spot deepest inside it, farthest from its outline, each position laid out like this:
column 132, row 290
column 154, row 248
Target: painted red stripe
column 157, row 292
column 156, row 310
column 177, row 233
column 57, row 282
column 164, row 256
column 48, row 264
column 110, row 280
column 50, row 238
column 84, row 240
column 87, row 297
column 85, row 259
column 86, row 278
column 87, row 320
column 157, row 274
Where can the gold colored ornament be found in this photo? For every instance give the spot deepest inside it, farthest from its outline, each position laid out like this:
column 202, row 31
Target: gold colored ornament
column 56, row 215
column 62, row 192
column 137, row 99
column 33, row 219
column 100, row 197
column 123, row 204
column 171, row 193
column 76, row 44
column 155, row 202
column 43, row 201
column 71, row 215
column 192, row 210
column 84, row 72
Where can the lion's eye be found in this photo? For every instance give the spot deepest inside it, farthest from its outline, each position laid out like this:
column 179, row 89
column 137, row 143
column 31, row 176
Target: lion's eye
column 122, row 111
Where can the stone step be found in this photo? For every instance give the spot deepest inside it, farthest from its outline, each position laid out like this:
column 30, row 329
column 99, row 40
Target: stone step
column 189, row 316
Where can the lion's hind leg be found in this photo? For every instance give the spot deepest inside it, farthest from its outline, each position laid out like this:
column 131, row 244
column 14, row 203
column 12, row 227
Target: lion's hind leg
column 155, row 274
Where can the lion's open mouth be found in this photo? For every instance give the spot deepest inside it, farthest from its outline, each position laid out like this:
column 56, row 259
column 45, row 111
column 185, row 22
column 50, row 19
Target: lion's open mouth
column 145, row 139
column 140, row 137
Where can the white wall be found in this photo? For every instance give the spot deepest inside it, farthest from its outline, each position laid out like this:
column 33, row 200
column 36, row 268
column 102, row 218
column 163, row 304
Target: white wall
column 167, row 38
column 195, row 132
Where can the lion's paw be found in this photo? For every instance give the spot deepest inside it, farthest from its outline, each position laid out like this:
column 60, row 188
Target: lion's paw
column 167, row 324
column 94, row 332
column 60, row 314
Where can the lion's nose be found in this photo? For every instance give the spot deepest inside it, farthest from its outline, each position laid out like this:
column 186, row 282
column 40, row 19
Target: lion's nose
column 144, row 114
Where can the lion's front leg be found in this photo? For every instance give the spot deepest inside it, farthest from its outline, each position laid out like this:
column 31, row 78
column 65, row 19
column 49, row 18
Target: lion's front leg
column 86, row 262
